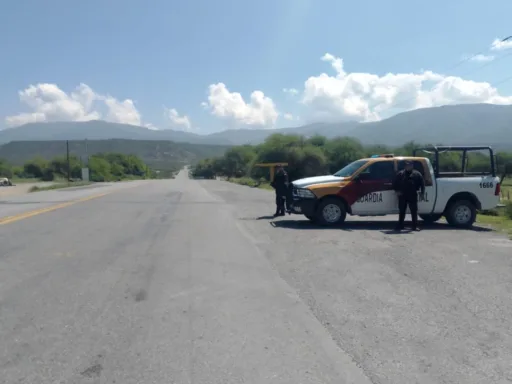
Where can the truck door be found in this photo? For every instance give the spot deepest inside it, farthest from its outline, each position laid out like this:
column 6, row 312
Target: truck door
column 373, row 189
column 426, row 204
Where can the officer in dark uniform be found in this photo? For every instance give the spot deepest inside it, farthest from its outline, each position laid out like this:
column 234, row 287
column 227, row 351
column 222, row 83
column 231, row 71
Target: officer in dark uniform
column 280, row 184
column 407, row 184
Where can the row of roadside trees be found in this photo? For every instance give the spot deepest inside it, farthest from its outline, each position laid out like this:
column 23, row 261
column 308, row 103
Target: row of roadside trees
column 318, row 155
column 102, row 167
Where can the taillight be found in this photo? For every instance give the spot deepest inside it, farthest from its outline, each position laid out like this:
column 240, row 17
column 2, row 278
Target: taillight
column 497, row 191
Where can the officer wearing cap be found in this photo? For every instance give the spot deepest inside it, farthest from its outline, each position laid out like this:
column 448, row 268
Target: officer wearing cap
column 280, row 184
column 407, row 184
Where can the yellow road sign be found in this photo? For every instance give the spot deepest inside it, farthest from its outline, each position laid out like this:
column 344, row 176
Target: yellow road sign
column 272, row 167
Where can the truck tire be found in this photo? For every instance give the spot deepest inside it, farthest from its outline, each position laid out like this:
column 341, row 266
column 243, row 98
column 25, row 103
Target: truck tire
column 461, row 214
column 432, row 218
column 331, row 212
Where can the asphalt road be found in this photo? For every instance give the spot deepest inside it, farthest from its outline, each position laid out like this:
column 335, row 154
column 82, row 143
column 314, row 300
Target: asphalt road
column 184, row 281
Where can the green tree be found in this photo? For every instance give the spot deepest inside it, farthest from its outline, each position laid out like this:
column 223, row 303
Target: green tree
column 342, row 151
column 35, row 167
column 100, row 169
column 317, row 155
column 59, row 167
column 237, row 160
column 5, row 169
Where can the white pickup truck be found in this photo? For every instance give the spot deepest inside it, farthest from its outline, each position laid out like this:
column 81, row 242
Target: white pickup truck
column 365, row 188
column 5, row 182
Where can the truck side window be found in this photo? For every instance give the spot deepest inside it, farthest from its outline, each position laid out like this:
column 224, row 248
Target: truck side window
column 381, row 170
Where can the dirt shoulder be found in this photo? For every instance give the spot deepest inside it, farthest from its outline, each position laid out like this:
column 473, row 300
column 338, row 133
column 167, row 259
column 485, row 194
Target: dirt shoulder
column 21, row 189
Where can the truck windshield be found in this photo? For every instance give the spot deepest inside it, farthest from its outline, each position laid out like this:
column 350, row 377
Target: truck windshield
column 350, row 169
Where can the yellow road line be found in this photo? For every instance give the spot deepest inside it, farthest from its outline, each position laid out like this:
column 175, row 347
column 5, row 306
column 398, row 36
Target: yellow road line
column 25, row 215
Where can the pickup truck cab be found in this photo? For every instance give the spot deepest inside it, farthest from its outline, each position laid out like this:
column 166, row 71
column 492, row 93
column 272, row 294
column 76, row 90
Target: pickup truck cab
column 365, row 188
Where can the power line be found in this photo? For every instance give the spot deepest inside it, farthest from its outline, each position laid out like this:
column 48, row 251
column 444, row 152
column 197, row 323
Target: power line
column 503, row 80
column 487, row 64
column 492, row 61
column 469, row 58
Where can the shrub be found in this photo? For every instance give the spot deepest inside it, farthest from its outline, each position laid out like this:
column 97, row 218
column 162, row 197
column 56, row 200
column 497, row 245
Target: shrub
column 508, row 209
column 490, row 212
column 48, row 175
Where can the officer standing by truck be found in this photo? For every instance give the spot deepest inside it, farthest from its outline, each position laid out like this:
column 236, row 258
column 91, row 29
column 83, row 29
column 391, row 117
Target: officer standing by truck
column 407, row 184
column 280, row 184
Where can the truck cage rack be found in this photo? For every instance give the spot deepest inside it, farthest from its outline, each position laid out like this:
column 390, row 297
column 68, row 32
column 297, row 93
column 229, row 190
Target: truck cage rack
column 436, row 150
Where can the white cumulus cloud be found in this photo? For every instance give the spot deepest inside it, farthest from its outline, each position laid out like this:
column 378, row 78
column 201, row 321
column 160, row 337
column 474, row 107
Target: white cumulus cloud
column 177, row 121
column 482, row 58
column 367, row 97
column 501, row 44
column 291, row 91
column 121, row 111
column 260, row 111
column 47, row 102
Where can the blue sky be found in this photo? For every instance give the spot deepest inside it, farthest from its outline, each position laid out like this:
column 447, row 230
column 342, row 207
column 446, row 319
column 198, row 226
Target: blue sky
column 166, row 53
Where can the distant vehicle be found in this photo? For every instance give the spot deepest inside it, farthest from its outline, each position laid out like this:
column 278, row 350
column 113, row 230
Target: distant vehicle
column 365, row 188
column 5, row 182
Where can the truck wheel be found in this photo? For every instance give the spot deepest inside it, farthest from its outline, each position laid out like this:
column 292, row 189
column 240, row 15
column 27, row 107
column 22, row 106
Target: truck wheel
column 331, row 212
column 461, row 213
column 432, row 218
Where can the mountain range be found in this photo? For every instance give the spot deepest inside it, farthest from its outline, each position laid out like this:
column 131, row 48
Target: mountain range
column 464, row 124
column 158, row 154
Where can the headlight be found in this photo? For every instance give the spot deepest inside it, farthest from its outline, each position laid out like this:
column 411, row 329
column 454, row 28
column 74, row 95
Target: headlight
column 304, row 193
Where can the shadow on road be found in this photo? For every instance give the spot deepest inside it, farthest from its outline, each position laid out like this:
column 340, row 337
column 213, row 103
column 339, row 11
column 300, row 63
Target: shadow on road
column 386, row 227
column 268, row 217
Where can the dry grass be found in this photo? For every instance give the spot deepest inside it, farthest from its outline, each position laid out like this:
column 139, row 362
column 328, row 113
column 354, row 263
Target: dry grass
column 506, row 190
column 36, row 188
column 251, row 182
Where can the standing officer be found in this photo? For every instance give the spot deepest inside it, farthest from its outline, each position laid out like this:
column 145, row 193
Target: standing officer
column 407, row 184
column 280, row 184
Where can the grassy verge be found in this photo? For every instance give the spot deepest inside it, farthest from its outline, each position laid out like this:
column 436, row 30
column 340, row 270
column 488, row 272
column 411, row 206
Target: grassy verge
column 263, row 184
column 506, row 191
column 499, row 219
column 36, row 188
column 17, row 181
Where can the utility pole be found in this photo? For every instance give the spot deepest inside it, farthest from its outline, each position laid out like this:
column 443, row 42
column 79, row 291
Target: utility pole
column 85, row 165
column 67, row 158
column 86, row 155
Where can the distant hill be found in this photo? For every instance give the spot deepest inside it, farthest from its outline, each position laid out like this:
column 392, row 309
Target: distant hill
column 256, row 136
column 457, row 125
column 484, row 124
column 159, row 154
column 93, row 130
column 102, row 130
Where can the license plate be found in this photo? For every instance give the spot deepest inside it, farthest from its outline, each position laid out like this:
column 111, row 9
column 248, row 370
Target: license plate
column 297, row 209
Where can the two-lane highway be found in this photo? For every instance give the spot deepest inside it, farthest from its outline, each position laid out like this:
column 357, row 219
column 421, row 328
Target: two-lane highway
column 156, row 283
column 184, row 281
column 19, row 205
